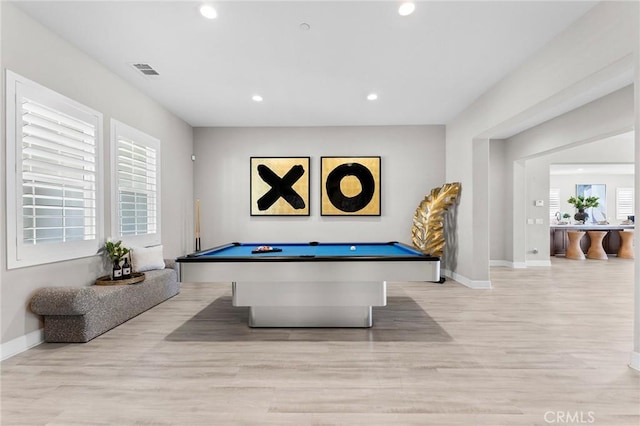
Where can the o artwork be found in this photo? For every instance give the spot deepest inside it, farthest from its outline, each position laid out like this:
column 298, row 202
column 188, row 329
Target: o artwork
column 350, row 186
column 280, row 186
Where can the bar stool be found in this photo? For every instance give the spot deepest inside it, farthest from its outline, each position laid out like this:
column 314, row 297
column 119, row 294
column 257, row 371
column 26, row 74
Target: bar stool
column 573, row 250
column 596, row 251
column 626, row 245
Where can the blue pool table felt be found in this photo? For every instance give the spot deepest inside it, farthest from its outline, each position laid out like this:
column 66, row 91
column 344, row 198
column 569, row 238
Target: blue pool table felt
column 321, row 250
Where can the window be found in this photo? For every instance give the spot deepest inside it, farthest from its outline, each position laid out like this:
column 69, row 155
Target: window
column 54, row 190
column 554, row 202
column 624, row 202
column 136, row 183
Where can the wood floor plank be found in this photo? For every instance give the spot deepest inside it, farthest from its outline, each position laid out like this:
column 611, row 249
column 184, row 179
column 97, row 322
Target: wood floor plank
column 543, row 340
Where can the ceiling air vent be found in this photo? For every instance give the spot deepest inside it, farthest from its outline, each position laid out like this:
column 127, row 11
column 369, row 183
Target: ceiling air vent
column 146, row 69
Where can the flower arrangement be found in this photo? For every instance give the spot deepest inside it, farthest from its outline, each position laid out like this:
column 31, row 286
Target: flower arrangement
column 115, row 251
column 581, row 202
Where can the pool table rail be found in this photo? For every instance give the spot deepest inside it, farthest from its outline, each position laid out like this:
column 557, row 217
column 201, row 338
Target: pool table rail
column 412, row 254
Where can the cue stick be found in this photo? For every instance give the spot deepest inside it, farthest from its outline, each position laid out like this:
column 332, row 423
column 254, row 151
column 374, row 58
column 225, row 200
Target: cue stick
column 198, row 224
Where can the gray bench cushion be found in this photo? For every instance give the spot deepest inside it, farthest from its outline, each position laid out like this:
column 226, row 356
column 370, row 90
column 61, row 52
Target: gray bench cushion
column 74, row 314
column 64, row 301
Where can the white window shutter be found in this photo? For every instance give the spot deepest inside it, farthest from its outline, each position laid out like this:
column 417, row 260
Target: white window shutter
column 624, row 202
column 58, row 176
column 136, row 182
column 54, row 168
column 554, row 202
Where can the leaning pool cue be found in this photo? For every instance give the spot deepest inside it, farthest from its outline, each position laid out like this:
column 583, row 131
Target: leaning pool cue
column 197, row 224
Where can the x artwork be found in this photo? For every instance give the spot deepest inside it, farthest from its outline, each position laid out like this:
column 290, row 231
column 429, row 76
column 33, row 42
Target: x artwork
column 281, row 187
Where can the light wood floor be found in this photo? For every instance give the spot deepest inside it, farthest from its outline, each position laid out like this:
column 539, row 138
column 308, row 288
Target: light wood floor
column 541, row 343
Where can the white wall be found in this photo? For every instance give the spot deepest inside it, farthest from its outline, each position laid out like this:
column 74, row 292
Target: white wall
column 537, row 234
column 608, row 116
column 497, row 185
column 36, row 53
column 597, row 49
column 412, row 164
column 635, row 353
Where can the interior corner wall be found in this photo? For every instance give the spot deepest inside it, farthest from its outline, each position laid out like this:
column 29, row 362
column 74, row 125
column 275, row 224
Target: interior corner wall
column 536, row 243
column 498, row 187
column 36, row 53
column 412, row 164
column 635, row 353
column 602, row 39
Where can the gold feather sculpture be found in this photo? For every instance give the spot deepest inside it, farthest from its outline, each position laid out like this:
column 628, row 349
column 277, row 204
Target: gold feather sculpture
column 427, row 232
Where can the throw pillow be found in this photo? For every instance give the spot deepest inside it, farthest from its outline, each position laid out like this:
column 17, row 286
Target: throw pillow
column 147, row 258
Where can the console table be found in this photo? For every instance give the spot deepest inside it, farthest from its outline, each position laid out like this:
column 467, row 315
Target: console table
column 559, row 239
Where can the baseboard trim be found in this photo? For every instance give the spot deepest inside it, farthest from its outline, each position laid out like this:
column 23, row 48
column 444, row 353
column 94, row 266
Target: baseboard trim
column 474, row 284
column 507, row 264
column 538, row 263
column 635, row 360
column 520, row 265
column 21, row 344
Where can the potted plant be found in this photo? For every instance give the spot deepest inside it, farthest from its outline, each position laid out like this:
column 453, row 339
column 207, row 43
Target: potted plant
column 115, row 252
column 581, row 203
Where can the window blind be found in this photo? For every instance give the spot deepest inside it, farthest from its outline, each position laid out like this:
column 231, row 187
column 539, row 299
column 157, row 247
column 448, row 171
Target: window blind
column 58, row 176
column 624, row 202
column 137, row 187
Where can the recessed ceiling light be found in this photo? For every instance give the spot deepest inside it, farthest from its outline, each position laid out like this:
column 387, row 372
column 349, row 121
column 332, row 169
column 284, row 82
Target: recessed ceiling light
column 406, row 8
column 372, row 96
column 257, row 98
column 208, row 11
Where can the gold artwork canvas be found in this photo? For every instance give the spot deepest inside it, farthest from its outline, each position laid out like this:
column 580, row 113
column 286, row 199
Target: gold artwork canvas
column 350, row 186
column 280, row 186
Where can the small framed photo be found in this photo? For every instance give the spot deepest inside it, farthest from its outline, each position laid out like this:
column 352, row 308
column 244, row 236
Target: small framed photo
column 280, row 186
column 350, row 186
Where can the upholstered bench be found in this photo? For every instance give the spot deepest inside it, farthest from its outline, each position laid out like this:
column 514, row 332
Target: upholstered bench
column 78, row 314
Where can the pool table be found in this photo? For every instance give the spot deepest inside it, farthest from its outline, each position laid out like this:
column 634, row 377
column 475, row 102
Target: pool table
column 309, row 284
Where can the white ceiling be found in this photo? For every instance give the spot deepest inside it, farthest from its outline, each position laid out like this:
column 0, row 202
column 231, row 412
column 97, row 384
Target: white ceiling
column 426, row 67
column 627, row 139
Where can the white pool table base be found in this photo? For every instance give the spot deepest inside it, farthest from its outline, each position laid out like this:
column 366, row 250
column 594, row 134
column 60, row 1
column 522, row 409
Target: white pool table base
column 310, row 316
column 310, row 303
